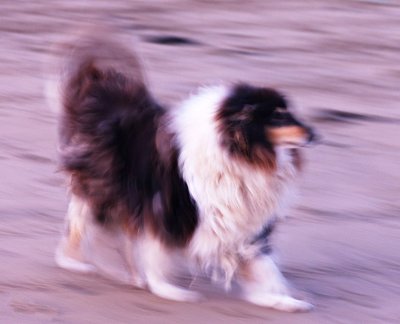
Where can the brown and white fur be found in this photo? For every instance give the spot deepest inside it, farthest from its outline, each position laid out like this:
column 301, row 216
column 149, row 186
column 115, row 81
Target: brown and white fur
column 204, row 179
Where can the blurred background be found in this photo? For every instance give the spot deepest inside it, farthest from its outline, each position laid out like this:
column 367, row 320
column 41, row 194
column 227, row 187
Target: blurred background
column 339, row 64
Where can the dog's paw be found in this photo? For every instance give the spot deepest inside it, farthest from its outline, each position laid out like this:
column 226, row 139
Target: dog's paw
column 280, row 302
column 137, row 281
column 178, row 294
column 71, row 264
column 290, row 304
column 172, row 292
column 184, row 295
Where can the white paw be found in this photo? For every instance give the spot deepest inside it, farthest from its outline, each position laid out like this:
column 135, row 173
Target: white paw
column 171, row 292
column 290, row 304
column 137, row 282
column 71, row 264
column 279, row 302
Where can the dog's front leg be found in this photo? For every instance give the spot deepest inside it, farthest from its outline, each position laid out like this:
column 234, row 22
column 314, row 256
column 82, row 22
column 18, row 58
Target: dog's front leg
column 263, row 284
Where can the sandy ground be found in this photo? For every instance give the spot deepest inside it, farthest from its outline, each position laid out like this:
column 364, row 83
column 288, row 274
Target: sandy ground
column 340, row 246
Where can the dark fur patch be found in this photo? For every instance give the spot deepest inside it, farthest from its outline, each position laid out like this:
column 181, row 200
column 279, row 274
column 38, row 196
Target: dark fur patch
column 262, row 240
column 120, row 159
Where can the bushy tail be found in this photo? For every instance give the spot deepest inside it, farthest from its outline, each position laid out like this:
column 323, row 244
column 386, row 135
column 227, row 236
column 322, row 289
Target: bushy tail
column 82, row 59
column 99, row 89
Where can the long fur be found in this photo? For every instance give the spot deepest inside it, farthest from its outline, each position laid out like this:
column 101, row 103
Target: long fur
column 206, row 178
column 235, row 198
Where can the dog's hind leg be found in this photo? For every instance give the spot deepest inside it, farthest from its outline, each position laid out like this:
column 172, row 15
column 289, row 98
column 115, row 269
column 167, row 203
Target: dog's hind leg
column 263, row 284
column 69, row 252
column 157, row 266
column 130, row 257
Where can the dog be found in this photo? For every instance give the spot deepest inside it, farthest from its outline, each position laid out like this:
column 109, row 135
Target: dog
column 205, row 179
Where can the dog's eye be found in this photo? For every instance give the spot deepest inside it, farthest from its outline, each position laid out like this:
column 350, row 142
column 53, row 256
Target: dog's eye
column 278, row 118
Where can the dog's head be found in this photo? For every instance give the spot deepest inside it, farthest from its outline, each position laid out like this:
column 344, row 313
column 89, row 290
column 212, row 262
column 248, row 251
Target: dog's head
column 255, row 121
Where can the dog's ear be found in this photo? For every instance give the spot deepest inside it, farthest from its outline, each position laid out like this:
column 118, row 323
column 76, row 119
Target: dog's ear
column 246, row 114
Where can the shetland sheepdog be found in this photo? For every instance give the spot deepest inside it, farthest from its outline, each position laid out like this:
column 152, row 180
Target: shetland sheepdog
column 205, row 179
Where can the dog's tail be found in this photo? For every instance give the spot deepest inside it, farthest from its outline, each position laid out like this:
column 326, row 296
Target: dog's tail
column 99, row 89
column 83, row 58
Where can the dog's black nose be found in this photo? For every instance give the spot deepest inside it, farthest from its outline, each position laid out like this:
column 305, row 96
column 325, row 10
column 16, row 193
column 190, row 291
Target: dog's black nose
column 313, row 137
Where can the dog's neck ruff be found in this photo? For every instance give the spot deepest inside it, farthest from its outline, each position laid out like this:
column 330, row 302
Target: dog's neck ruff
column 235, row 199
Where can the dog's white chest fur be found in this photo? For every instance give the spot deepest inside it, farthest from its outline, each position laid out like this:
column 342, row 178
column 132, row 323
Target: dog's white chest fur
column 235, row 200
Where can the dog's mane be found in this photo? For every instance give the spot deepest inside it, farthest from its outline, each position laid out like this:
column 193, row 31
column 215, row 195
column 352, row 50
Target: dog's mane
column 237, row 196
